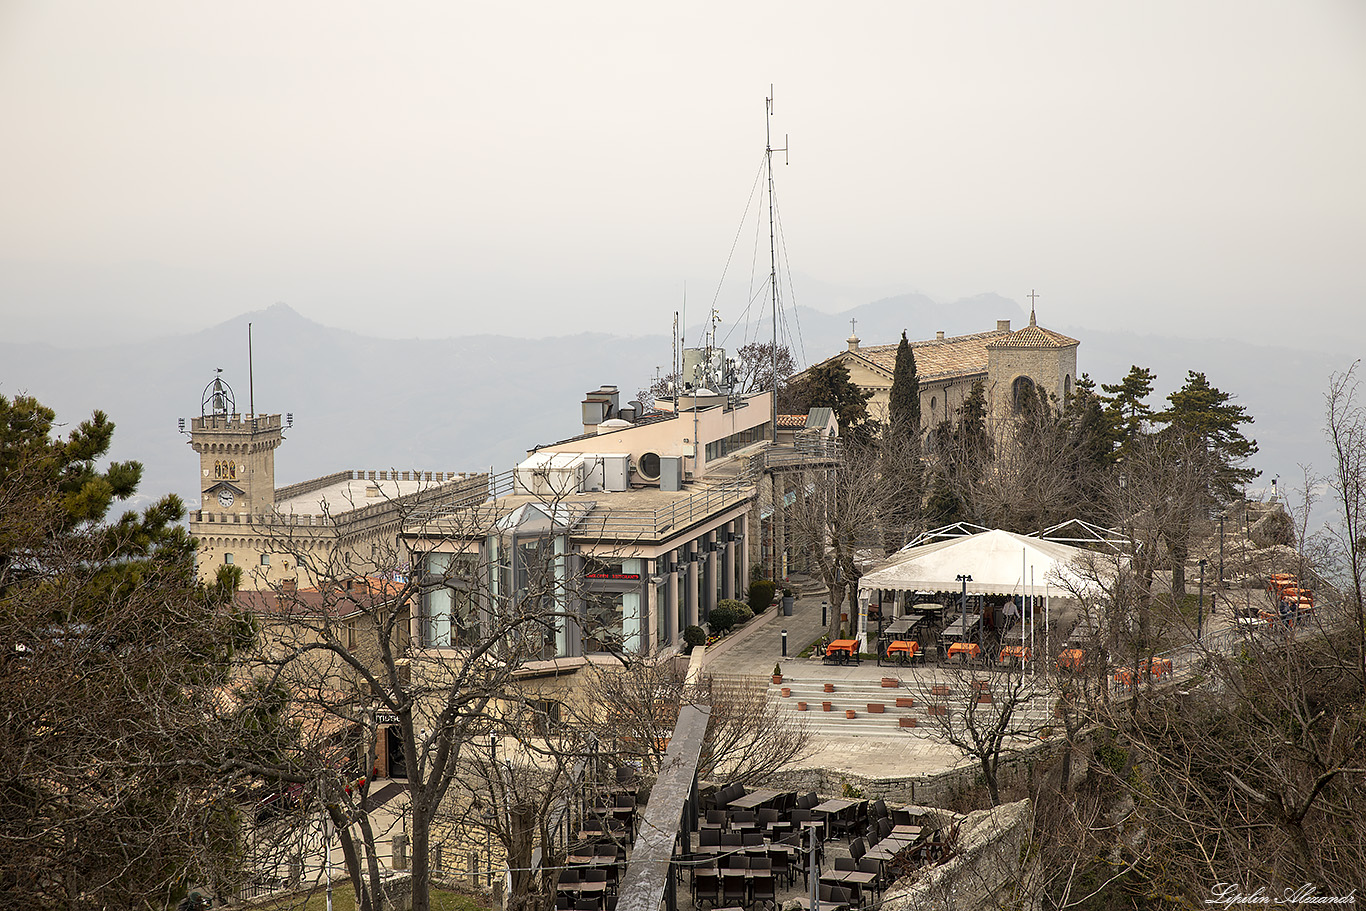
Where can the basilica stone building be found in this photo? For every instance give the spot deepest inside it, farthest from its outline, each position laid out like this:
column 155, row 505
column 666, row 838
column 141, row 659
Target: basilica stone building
column 1007, row 362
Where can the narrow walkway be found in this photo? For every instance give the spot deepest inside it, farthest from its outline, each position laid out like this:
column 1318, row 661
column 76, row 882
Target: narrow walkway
column 754, row 649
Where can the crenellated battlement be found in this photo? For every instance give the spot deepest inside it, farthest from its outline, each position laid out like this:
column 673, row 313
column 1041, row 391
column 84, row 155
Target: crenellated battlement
column 236, row 423
column 441, row 490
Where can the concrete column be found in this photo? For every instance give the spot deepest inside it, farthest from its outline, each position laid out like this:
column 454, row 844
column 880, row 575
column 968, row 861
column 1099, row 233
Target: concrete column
column 674, row 607
column 727, row 566
column 742, row 525
column 649, row 628
column 690, row 590
column 710, row 593
column 779, row 525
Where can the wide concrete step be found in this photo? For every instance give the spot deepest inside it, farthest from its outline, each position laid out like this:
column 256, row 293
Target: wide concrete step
column 857, row 695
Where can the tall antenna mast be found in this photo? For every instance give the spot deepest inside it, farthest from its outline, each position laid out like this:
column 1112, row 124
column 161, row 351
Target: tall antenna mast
column 772, row 256
column 251, row 378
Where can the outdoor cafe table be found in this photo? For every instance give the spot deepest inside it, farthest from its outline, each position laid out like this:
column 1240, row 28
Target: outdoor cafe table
column 834, row 808
column 834, row 805
column 848, row 877
column 1157, row 668
column 1019, row 653
column 901, row 626
column 1071, row 658
column 754, row 799
column 845, row 647
column 908, row 649
column 966, row 649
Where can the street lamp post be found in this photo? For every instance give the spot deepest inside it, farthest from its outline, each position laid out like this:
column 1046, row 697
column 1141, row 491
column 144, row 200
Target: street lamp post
column 965, row 579
column 1220, row 586
column 1200, row 605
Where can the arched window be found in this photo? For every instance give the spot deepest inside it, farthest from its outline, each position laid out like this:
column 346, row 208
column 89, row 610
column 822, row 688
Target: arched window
column 1022, row 392
column 1067, row 386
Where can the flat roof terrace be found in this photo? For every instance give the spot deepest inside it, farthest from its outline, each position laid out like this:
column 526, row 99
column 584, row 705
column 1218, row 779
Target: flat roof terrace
column 640, row 514
column 352, row 490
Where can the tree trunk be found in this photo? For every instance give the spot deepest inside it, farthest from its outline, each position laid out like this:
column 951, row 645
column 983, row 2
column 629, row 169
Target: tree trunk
column 420, row 861
column 350, row 857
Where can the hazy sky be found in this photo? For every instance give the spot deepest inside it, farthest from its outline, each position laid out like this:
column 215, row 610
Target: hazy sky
column 438, row 168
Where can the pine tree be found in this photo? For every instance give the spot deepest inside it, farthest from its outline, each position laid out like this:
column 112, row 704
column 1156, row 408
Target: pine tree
column 828, row 386
column 1126, row 407
column 1206, row 415
column 114, row 663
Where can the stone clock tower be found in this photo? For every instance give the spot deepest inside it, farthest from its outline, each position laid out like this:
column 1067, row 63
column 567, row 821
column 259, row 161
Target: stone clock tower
column 236, row 454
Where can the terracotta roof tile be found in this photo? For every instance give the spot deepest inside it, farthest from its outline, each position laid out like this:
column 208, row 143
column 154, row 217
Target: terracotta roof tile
column 1033, row 336
column 792, row 420
column 938, row 358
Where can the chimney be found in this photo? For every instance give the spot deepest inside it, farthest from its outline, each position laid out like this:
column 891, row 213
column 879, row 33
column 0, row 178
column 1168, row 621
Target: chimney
column 939, row 336
column 853, row 341
column 599, row 405
column 1003, row 325
column 289, row 585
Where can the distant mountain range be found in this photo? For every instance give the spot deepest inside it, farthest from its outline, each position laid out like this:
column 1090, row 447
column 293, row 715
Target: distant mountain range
column 475, row 402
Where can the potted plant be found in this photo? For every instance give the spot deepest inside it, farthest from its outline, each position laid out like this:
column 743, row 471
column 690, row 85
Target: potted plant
column 778, row 673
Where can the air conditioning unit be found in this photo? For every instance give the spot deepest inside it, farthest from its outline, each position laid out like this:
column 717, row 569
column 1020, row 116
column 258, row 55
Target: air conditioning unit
column 648, row 466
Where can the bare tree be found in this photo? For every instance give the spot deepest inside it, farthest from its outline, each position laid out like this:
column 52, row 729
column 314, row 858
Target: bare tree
column 988, row 717
column 1347, row 433
column 416, row 638
column 634, row 710
column 835, row 520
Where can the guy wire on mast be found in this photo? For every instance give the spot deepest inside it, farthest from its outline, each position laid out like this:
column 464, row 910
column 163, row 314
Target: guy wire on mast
column 772, row 258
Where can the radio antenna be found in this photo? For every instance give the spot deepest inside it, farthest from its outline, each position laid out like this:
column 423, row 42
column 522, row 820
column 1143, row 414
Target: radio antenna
column 772, row 258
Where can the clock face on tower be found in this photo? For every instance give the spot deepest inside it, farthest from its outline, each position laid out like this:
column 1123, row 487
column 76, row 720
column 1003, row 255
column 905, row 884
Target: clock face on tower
column 225, row 498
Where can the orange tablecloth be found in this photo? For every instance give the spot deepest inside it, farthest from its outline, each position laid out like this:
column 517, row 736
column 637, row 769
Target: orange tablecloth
column 965, row 648
column 843, row 645
column 1021, row 652
column 902, row 647
column 1072, row 658
column 1158, row 667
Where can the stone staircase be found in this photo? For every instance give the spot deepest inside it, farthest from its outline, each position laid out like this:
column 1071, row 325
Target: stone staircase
column 889, row 707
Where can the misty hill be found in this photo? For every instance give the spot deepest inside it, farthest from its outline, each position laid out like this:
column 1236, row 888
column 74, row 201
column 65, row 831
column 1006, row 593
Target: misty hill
column 473, row 402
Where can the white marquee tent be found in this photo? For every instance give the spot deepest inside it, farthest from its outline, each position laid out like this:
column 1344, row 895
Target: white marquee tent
column 999, row 562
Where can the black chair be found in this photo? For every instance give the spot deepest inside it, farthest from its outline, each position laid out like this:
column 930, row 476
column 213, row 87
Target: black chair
column 709, row 841
column 878, row 869
column 734, row 887
column 846, row 863
column 706, row 887
column 587, row 904
column 734, row 862
column 768, row 816
column 836, row 895
column 780, row 862
column 857, row 848
column 716, row 819
column 764, row 888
